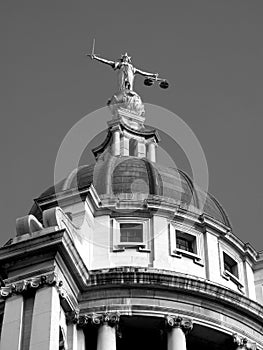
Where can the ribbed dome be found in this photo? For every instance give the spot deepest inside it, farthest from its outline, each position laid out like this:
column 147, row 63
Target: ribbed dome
column 131, row 177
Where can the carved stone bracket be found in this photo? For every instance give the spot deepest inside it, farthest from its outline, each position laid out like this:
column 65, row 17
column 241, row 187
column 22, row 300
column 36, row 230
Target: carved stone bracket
column 179, row 322
column 243, row 343
column 32, row 283
column 73, row 316
column 110, row 318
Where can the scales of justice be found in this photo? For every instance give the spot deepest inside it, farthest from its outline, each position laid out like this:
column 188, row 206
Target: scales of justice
column 126, row 97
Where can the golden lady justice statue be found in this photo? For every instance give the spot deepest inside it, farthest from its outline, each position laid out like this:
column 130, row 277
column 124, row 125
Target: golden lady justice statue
column 126, row 98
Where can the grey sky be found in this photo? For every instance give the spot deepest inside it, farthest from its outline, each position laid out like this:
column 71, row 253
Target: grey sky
column 211, row 52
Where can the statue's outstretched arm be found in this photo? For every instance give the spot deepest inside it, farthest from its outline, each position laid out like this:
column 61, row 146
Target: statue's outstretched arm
column 146, row 74
column 103, row 60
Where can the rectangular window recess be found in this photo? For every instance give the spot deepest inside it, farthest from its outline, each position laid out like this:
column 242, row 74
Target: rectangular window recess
column 230, row 271
column 230, row 266
column 186, row 243
column 131, row 234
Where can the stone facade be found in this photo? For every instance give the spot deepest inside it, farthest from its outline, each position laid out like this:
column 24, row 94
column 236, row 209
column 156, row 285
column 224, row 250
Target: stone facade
column 115, row 264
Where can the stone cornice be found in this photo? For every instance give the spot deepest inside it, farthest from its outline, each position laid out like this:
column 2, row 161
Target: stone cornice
column 259, row 264
column 142, row 132
column 56, row 241
column 123, row 126
column 70, row 195
column 132, row 277
column 244, row 249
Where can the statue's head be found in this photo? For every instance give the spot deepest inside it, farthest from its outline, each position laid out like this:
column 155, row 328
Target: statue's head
column 126, row 58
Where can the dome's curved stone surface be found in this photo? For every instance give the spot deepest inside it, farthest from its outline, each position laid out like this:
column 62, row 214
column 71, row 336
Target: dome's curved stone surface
column 138, row 177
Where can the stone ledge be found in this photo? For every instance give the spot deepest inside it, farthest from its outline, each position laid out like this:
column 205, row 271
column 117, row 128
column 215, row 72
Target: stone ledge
column 137, row 277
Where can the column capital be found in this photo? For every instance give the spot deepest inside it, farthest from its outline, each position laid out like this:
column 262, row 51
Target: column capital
column 116, row 127
column 179, row 322
column 243, row 343
column 22, row 286
column 109, row 318
column 152, row 140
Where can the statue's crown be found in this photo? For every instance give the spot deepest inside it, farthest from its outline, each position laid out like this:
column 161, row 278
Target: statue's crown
column 126, row 55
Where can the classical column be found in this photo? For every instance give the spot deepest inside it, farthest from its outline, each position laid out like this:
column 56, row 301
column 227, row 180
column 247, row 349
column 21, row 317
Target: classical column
column 75, row 334
column 107, row 324
column 178, row 327
column 72, row 337
column 151, row 151
column 12, row 324
column 80, row 340
column 125, row 149
column 141, row 149
column 107, row 331
column 106, row 338
column 75, row 337
column 45, row 322
column 116, row 142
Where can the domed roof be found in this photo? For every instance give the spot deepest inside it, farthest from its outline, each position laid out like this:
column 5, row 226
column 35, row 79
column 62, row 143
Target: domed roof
column 132, row 177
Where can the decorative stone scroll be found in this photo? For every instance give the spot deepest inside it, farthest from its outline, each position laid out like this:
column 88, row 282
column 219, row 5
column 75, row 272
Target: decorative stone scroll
column 28, row 224
column 179, row 322
column 243, row 343
column 110, row 318
column 73, row 316
column 32, row 283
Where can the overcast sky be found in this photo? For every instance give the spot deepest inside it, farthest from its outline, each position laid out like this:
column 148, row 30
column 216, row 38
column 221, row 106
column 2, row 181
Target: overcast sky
column 211, row 52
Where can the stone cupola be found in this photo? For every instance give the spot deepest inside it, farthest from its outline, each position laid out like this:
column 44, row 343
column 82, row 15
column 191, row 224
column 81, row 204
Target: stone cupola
column 127, row 135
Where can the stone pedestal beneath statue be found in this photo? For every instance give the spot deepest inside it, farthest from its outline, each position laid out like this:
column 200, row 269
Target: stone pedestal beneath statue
column 127, row 105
